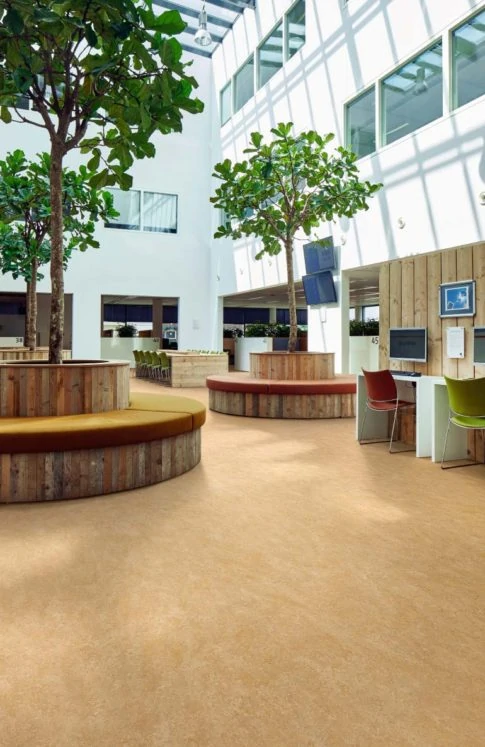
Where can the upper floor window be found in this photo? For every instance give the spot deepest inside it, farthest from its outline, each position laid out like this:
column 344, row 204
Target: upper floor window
column 226, row 102
column 413, row 95
column 244, row 84
column 295, row 29
column 144, row 211
column 270, row 55
column 360, row 117
column 468, row 54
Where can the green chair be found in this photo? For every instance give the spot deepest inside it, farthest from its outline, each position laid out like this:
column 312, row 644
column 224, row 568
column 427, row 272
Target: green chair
column 139, row 361
column 164, row 365
column 466, row 398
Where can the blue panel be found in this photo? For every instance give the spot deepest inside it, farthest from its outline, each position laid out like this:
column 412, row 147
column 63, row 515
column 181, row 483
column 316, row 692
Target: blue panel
column 319, row 288
column 319, row 256
column 170, row 314
column 233, row 315
column 283, row 316
column 256, row 315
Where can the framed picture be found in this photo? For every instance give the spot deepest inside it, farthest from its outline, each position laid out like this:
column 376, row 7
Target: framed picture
column 457, row 299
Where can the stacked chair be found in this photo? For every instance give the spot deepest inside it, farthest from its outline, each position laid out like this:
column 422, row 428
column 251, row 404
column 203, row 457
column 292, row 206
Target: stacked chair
column 152, row 365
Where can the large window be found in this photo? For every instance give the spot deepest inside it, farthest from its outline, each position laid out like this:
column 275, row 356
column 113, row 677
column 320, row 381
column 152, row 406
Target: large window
column 144, row 211
column 360, row 119
column 226, row 103
column 244, row 84
column 468, row 50
column 413, row 95
column 270, row 55
column 295, row 29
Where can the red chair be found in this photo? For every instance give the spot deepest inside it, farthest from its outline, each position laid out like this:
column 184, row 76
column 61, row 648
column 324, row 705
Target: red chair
column 382, row 397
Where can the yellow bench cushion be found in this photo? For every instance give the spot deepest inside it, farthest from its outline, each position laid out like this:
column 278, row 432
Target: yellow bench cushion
column 168, row 403
column 92, row 431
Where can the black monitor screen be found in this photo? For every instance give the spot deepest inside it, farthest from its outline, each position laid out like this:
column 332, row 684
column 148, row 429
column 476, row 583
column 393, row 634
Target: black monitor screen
column 408, row 344
column 319, row 288
column 479, row 345
column 319, row 256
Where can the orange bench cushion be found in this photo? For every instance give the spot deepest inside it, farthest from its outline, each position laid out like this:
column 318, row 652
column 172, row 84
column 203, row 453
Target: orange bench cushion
column 338, row 385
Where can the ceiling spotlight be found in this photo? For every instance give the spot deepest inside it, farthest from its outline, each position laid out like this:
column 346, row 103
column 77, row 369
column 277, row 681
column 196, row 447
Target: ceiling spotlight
column 202, row 36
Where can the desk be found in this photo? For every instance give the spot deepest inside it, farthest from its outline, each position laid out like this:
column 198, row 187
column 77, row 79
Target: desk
column 431, row 397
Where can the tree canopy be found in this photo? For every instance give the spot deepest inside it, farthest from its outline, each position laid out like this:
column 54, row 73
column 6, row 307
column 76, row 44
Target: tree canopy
column 287, row 186
column 112, row 67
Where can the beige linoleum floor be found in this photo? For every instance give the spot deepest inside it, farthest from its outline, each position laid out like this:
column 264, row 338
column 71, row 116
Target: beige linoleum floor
column 293, row 590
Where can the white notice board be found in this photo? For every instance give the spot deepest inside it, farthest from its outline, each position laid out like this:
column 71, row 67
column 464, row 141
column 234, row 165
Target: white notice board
column 455, row 342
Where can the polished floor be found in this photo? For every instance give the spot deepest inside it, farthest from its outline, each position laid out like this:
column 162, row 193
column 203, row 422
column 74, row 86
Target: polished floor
column 293, row 590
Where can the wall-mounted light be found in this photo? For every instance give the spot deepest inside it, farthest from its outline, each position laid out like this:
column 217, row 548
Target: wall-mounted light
column 401, row 222
column 202, row 36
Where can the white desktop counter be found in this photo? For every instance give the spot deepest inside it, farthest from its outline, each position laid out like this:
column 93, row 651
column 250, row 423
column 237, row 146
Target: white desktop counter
column 431, row 397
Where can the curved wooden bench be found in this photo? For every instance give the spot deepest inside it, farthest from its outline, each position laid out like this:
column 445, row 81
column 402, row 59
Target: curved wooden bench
column 75, row 456
column 271, row 398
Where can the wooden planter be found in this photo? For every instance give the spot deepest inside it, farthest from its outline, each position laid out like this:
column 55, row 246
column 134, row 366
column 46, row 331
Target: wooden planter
column 24, row 354
column 192, row 369
column 292, row 366
column 38, row 388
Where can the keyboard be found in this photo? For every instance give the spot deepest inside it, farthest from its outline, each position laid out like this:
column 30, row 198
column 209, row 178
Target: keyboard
column 414, row 374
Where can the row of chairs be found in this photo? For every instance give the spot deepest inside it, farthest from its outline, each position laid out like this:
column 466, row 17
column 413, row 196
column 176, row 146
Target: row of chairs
column 466, row 399
column 152, row 365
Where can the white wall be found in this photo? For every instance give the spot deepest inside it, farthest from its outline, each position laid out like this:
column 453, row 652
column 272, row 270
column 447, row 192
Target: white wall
column 138, row 263
column 432, row 178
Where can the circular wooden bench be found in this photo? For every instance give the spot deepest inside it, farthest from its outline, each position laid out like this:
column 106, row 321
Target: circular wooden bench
column 272, row 398
column 74, row 456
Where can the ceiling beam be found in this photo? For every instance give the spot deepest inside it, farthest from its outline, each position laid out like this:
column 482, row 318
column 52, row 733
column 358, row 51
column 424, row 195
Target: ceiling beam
column 168, row 5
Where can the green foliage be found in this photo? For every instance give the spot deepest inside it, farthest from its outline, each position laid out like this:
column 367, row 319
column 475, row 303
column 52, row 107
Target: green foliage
column 369, row 328
column 291, row 184
column 260, row 329
column 286, row 187
column 110, row 63
column 25, row 213
column 127, row 330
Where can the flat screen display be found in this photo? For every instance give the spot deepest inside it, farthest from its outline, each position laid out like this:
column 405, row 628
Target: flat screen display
column 319, row 256
column 479, row 345
column 408, row 344
column 319, row 288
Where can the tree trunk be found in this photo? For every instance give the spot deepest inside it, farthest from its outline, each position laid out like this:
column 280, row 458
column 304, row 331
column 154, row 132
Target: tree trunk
column 56, row 332
column 291, row 296
column 30, row 340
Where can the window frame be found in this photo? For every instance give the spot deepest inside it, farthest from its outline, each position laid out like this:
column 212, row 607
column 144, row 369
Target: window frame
column 141, row 228
column 347, row 104
column 453, row 91
column 286, row 36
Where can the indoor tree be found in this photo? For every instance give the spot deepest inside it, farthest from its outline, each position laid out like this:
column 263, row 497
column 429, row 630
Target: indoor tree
column 25, row 216
column 287, row 186
column 111, row 65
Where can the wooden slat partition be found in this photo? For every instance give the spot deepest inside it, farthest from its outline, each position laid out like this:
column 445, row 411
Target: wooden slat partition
column 24, row 354
column 409, row 297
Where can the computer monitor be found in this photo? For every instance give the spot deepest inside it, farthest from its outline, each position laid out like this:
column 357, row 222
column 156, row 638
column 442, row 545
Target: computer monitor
column 319, row 288
column 478, row 346
column 319, row 256
column 408, row 344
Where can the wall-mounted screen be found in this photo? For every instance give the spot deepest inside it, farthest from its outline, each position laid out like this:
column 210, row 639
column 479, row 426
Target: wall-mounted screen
column 319, row 256
column 479, row 345
column 319, row 288
column 408, row 344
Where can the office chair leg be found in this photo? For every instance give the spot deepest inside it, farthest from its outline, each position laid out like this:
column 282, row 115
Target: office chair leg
column 398, row 451
column 362, row 426
column 453, row 466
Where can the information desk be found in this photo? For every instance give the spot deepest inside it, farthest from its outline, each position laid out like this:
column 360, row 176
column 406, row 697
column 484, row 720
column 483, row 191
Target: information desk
column 431, row 397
